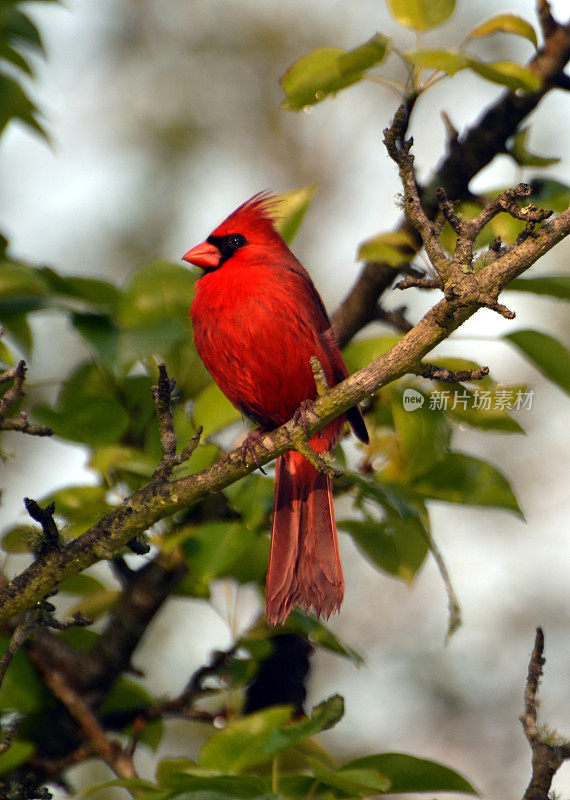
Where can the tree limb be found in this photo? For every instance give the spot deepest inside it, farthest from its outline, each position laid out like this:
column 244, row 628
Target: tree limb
column 161, row 498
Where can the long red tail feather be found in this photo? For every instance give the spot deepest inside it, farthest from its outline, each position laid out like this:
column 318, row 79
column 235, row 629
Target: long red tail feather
column 304, row 562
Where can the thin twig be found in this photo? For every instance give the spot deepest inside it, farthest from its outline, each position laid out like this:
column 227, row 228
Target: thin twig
column 547, row 756
column 447, row 376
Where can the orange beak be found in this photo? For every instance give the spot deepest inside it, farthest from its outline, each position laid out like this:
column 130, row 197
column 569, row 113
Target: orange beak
column 204, row 255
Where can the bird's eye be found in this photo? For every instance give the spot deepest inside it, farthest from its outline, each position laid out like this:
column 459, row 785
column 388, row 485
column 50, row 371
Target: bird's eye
column 236, row 240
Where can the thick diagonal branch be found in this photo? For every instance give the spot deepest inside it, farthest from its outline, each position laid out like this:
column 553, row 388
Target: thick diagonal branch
column 160, row 499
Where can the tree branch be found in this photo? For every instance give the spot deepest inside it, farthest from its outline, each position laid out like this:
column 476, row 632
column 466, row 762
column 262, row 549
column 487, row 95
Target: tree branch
column 161, row 498
column 466, row 155
column 549, row 751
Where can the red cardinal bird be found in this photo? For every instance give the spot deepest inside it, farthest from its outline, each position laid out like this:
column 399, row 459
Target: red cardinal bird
column 257, row 320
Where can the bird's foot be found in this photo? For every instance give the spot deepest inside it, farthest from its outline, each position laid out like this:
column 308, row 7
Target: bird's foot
column 303, row 415
column 249, row 447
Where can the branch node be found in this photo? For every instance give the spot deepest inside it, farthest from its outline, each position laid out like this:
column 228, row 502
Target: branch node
column 433, row 372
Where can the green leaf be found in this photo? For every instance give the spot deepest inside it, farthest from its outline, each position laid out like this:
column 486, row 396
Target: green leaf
column 395, row 545
column 127, row 694
column 523, row 157
column 393, row 248
column 21, row 289
column 213, row 785
column 465, row 479
column 323, row 716
column 6, row 356
column 551, row 285
column 290, row 209
column 21, row 688
column 80, row 584
column 241, row 744
column 351, row 783
column 505, row 23
column 506, row 73
column 424, row 437
column 213, row 411
column 448, row 61
column 362, row 351
column 307, row 626
column 553, row 194
column 93, row 421
column 252, row 498
column 210, row 549
column 96, row 604
column 18, row 539
column 15, row 104
column 421, row 15
column 158, row 291
column 411, row 774
column 101, row 334
column 328, row 70
column 96, row 295
column 16, row 754
column 547, row 354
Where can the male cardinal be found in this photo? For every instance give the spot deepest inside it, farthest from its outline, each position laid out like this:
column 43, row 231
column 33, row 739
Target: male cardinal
column 257, row 321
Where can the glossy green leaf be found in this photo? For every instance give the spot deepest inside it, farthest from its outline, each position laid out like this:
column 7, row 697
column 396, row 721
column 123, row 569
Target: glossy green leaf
column 505, row 23
column 421, row 15
column 358, row 782
column 328, row 70
column 551, row 285
column 393, row 248
column 448, row 61
column 518, row 150
column 212, row 411
column 424, row 436
column 547, row 354
column 241, row 744
column 158, row 291
column 411, row 774
column 465, row 479
column 211, row 548
column 17, row 753
column 252, row 498
column 506, row 73
column 362, row 351
column 290, row 209
column 395, row 545
column 323, row 716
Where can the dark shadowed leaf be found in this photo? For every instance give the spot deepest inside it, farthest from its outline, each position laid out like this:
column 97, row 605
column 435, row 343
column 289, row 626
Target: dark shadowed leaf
column 460, row 478
column 547, row 354
column 551, row 285
column 411, row 774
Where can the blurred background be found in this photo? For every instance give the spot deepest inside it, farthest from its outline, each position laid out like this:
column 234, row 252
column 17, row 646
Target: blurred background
column 163, row 117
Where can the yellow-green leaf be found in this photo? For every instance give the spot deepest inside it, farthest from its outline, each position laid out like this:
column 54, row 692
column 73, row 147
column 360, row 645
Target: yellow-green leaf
column 505, row 23
column 421, row 15
column 327, row 70
column 524, row 157
column 448, row 61
column 506, row 73
column 290, row 209
column 394, row 248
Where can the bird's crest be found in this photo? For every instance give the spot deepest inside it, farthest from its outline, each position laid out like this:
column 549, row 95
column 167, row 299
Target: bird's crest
column 256, row 216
